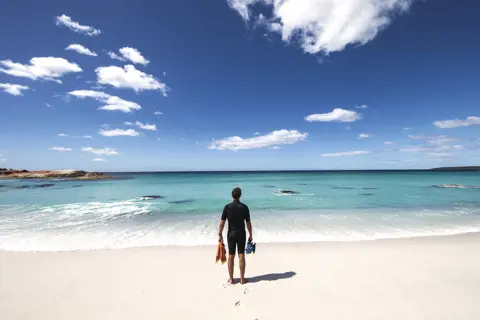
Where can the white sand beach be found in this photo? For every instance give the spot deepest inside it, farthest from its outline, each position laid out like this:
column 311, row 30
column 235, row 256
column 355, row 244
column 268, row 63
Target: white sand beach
column 422, row 278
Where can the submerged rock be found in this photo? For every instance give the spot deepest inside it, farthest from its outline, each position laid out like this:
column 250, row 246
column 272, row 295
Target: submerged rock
column 45, row 185
column 369, row 188
column 181, row 201
column 342, row 188
column 21, row 187
column 368, row 194
column 269, row 186
column 77, row 186
column 288, row 192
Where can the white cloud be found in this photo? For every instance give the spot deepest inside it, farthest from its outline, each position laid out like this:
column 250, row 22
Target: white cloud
column 105, row 151
column 337, row 115
column 99, row 160
column 279, row 137
column 61, row 135
column 81, row 49
column 45, row 68
column 450, row 124
column 157, row 113
column 130, row 54
column 143, row 126
column 406, row 128
column 66, row 21
column 146, row 126
column 48, row 104
column 60, row 149
column 323, row 25
column 118, row 132
column 256, row 133
column 388, row 142
column 346, row 153
column 364, row 136
column 13, row 89
column 129, row 77
column 88, row 137
column 363, row 106
column 115, row 56
column 276, row 148
column 133, row 55
column 112, row 103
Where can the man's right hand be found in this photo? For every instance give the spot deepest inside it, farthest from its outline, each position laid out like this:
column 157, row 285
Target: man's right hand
column 250, row 238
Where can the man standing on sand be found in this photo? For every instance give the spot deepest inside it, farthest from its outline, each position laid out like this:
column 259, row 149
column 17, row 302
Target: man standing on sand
column 237, row 214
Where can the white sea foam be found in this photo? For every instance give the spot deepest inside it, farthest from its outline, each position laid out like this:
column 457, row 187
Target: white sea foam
column 125, row 224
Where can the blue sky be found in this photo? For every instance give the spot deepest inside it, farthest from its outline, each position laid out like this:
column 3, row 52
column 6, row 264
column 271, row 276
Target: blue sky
column 239, row 84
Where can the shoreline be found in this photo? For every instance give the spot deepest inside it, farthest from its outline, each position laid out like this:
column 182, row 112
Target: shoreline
column 416, row 278
column 293, row 244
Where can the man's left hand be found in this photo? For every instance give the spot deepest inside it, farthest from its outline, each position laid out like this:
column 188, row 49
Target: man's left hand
column 220, row 238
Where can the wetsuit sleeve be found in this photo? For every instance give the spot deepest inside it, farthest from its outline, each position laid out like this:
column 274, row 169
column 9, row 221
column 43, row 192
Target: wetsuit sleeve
column 247, row 214
column 224, row 214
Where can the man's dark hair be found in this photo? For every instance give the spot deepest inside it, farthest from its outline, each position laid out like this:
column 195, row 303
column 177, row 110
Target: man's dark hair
column 236, row 193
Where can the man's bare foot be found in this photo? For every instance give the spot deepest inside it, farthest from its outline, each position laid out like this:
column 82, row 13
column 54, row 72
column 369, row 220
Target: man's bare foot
column 230, row 281
column 243, row 281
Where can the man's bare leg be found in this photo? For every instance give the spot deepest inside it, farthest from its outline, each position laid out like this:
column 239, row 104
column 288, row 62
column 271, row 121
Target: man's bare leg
column 231, row 260
column 241, row 258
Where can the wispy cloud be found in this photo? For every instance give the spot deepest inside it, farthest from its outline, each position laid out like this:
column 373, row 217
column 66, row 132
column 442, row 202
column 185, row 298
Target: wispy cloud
column 104, row 151
column 443, row 148
column 61, row 135
column 364, row 136
column 112, row 103
column 157, row 113
column 436, row 140
column 45, row 68
column 439, row 154
column 13, row 89
column 143, row 126
column 388, row 143
column 346, row 153
column 363, row 106
column 99, row 160
column 279, row 137
column 118, row 132
column 406, row 128
column 322, row 25
column 337, row 115
column 67, row 21
column 129, row 77
column 130, row 54
column 61, row 149
column 450, row 124
column 80, row 49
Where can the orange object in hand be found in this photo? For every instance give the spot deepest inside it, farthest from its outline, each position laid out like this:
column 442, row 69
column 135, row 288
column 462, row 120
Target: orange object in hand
column 221, row 253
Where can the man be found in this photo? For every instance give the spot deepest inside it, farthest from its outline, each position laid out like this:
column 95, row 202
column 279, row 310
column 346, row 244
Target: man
column 237, row 214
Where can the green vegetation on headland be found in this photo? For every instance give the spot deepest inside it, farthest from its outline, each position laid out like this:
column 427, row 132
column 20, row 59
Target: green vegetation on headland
column 471, row 168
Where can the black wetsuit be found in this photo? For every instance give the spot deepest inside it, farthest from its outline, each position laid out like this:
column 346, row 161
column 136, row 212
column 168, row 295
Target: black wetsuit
column 236, row 213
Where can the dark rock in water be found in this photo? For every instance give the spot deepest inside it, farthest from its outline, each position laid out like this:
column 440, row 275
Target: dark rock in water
column 45, row 185
column 150, row 197
column 181, row 201
column 268, row 186
column 288, row 192
column 21, row 187
column 342, row 188
column 77, row 186
column 1, row 186
column 369, row 188
column 302, row 184
column 368, row 194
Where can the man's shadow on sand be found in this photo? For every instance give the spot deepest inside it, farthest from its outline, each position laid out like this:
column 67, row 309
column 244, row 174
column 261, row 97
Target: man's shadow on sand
column 272, row 277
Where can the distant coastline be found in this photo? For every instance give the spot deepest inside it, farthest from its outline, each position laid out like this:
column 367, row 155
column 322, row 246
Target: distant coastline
column 49, row 174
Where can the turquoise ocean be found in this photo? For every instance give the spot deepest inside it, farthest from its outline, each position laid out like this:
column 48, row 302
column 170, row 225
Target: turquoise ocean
column 157, row 209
